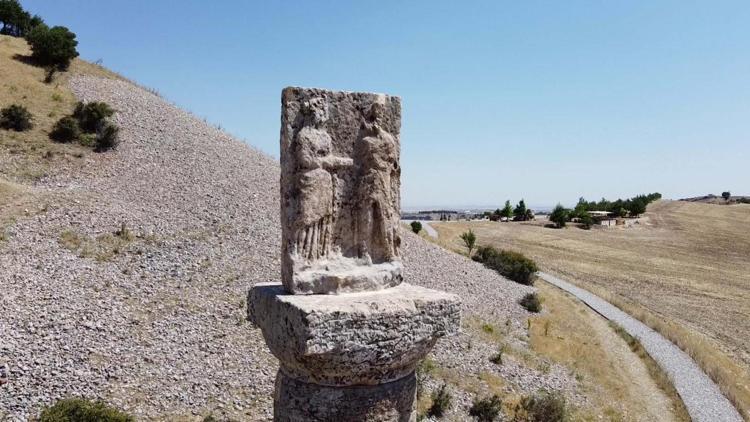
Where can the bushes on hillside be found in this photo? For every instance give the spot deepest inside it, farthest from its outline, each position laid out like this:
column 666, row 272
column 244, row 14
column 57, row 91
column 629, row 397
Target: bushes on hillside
column 543, row 407
column 16, row 117
column 81, row 410
column 91, row 115
column 89, row 124
column 52, row 47
column 512, row 265
column 416, row 226
column 107, row 137
column 65, row 130
column 487, row 409
column 531, row 302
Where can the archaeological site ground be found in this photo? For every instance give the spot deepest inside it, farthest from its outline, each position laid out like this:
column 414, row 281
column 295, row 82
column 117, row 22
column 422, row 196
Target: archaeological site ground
column 255, row 236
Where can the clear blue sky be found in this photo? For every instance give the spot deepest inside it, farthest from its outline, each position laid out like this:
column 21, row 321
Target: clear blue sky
column 542, row 100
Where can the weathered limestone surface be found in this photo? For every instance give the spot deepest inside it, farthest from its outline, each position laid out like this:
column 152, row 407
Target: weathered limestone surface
column 347, row 332
column 302, row 402
column 365, row 338
column 340, row 182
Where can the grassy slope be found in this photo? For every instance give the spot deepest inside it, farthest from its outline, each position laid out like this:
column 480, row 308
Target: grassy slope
column 615, row 379
column 28, row 156
column 685, row 274
column 25, row 157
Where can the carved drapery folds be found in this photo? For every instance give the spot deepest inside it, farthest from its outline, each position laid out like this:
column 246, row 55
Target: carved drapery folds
column 340, row 184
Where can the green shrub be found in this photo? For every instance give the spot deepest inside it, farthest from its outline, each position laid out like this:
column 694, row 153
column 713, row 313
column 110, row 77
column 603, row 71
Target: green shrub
column 16, row 117
column 559, row 216
column 91, row 115
column 531, row 302
column 487, row 409
column 65, row 130
column 54, row 46
column 441, row 402
column 107, row 137
column 586, row 221
column 544, row 407
column 81, row 410
column 416, row 226
column 512, row 265
column 470, row 239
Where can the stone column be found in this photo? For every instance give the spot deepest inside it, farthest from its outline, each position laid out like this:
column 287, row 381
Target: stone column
column 348, row 332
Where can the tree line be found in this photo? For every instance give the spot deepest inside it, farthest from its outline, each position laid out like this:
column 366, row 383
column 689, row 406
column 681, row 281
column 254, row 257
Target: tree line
column 16, row 21
column 508, row 212
column 632, row 207
column 52, row 48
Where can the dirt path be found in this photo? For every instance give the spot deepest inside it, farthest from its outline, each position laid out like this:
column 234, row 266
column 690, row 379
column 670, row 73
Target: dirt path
column 701, row 396
column 617, row 382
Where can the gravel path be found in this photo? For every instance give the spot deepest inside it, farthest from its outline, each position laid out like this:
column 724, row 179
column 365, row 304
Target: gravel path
column 702, row 397
column 426, row 227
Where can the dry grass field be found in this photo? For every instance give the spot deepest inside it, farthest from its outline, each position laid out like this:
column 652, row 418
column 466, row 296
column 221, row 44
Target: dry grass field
column 685, row 270
column 619, row 385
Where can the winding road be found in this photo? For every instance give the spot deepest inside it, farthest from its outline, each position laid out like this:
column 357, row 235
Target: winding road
column 702, row 397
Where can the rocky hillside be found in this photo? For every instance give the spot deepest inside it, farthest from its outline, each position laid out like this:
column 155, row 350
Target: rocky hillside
column 124, row 276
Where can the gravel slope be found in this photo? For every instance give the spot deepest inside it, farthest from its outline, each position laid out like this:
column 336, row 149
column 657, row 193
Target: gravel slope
column 155, row 324
column 701, row 396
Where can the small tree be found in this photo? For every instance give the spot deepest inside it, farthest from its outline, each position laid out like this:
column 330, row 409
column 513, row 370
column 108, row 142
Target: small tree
column 507, row 211
column 416, row 226
column 520, row 211
column 469, row 239
column 559, row 216
column 726, row 195
column 586, row 220
column 16, row 117
column 54, row 46
column 637, row 207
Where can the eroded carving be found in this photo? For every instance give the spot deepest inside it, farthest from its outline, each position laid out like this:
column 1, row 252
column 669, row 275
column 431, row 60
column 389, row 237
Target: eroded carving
column 340, row 186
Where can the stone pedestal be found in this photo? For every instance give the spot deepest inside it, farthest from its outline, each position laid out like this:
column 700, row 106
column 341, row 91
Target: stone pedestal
column 350, row 356
column 296, row 401
column 347, row 332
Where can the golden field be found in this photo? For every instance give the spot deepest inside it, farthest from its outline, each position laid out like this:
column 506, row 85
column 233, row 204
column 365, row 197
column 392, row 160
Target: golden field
column 684, row 270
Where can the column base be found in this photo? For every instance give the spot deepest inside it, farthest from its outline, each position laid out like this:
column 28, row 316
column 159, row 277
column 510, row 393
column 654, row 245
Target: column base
column 297, row 401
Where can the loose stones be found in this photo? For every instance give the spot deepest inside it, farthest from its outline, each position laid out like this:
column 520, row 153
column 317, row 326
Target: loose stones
column 340, row 182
